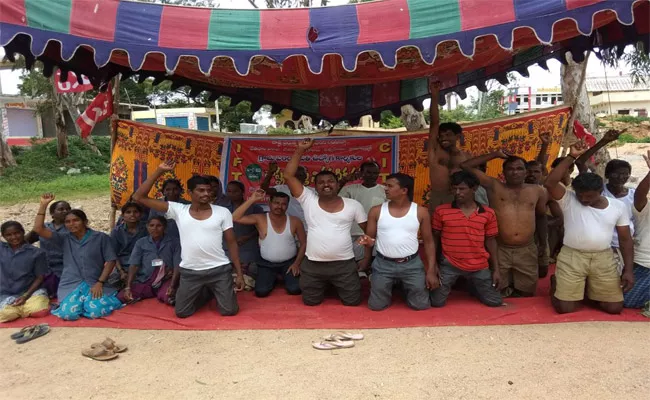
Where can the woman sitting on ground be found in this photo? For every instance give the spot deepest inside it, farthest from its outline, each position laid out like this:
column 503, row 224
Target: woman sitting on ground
column 22, row 270
column 123, row 238
column 154, row 260
column 58, row 211
column 88, row 260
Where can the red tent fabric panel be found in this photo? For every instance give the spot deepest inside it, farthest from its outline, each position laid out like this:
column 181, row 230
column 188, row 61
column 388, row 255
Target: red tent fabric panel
column 571, row 4
column 284, row 29
column 14, row 13
column 383, row 21
column 476, row 14
column 94, row 19
column 175, row 32
column 332, row 102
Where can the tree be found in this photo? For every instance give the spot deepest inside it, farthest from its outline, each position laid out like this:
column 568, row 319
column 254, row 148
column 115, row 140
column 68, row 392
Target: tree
column 635, row 57
column 6, row 157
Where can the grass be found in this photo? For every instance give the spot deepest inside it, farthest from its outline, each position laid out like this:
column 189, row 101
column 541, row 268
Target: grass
column 627, row 138
column 39, row 170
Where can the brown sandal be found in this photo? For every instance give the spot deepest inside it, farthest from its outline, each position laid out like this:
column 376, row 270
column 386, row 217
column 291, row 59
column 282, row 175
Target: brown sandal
column 110, row 344
column 99, row 353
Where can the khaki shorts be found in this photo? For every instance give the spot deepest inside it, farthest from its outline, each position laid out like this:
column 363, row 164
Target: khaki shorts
column 597, row 268
column 439, row 197
column 518, row 267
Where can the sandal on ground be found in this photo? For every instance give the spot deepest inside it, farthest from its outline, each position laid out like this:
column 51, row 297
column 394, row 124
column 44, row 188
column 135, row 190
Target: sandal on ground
column 110, row 344
column 343, row 336
column 33, row 332
column 22, row 332
column 99, row 353
column 333, row 345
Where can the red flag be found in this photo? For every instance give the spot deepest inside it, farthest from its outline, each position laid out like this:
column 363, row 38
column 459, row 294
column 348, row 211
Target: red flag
column 581, row 132
column 100, row 109
column 72, row 85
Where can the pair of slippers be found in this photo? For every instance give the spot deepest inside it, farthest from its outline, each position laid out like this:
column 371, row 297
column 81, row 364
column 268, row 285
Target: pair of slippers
column 30, row 332
column 104, row 351
column 339, row 340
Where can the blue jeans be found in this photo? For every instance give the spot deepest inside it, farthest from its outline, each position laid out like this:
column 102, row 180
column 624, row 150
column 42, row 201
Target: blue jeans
column 385, row 274
column 640, row 293
column 481, row 282
column 267, row 275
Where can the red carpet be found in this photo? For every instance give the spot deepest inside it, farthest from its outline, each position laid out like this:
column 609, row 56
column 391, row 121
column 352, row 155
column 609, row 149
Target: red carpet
column 281, row 311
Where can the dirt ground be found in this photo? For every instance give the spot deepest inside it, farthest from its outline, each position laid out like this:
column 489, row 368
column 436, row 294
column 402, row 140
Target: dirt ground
column 562, row 361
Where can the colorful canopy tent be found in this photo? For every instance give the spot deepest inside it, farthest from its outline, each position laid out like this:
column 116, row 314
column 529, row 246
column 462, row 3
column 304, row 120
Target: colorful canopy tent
column 335, row 63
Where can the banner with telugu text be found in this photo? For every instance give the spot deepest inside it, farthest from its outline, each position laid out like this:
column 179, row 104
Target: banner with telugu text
column 141, row 147
column 247, row 160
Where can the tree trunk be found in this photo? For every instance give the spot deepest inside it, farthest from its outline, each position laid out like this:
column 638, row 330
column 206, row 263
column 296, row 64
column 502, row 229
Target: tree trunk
column 72, row 102
column 6, row 157
column 413, row 119
column 59, row 123
column 574, row 93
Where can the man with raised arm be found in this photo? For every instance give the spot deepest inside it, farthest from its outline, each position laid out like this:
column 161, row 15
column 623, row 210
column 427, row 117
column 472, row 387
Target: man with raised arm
column 205, row 271
column 280, row 254
column 443, row 153
column 329, row 257
column 586, row 257
column 518, row 207
column 640, row 293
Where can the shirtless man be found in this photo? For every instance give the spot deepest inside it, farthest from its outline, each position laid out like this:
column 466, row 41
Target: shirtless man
column 517, row 206
column 443, row 153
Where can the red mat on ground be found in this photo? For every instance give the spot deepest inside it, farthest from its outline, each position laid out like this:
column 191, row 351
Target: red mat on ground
column 281, row 311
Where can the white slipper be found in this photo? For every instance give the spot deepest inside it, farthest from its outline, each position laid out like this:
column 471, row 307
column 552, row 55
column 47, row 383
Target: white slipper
column 343, row 336
column 333, row 345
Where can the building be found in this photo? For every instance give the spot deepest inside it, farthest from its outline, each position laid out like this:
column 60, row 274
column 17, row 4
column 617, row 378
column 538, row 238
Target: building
column 618, row 95
column 523, row 99
column 197, row 118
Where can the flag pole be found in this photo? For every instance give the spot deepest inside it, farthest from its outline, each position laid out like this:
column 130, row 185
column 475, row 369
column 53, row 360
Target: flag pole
column 114, row 122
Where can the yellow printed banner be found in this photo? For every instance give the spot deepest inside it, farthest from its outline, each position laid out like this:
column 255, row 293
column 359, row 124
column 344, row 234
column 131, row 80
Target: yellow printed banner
column 141, row 147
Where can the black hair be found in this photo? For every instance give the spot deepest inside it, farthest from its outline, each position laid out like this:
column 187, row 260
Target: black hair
column 405, row 182
column 557, row 162
column 279, row 195
column 513, row 159
column 196, row 180
column 160, row 218
column 369, row 164
column 451, row 126
column 172, row 181
column 615, row 164
column 213, row 179
column 238, row 184
column 325, row 173
column 587, row 182
column 11, row 224
column 131, row 204
column 55, row 204
column 533, row 164
column 465, row 177
column 79, row 214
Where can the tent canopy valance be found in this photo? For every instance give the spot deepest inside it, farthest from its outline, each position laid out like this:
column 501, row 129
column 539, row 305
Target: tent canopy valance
column 335, row 63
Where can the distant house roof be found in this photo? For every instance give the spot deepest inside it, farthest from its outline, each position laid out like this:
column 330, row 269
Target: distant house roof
column 614, row 84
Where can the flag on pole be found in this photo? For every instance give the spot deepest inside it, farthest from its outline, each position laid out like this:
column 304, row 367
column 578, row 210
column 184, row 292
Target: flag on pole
column 581, row 133
column 99, row 109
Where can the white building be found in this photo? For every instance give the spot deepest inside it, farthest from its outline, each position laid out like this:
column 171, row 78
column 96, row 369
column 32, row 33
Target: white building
column 618, row 95
column 197, row 118
column 525, row 99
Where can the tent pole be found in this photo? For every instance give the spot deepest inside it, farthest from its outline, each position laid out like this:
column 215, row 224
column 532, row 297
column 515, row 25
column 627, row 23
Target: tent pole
column 114, row 120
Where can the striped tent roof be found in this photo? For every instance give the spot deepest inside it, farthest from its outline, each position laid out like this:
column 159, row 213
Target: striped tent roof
column 332, row 62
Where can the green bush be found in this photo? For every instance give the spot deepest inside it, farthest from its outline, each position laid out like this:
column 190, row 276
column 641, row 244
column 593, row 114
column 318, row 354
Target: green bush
column 627, row 138
column 628, row 119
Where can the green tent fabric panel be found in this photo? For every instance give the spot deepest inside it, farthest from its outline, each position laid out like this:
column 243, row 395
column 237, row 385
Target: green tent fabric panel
column 446, row 17
column 413, row 88
column 305, row 100
column 203, row 123
column 234, row 30
column 51, row 15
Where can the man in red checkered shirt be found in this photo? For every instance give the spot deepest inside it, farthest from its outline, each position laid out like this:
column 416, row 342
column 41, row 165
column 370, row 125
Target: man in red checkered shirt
column 466, row 232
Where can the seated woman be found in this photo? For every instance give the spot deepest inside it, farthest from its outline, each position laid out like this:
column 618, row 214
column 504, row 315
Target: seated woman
column 154, row 259
column 123, row 238
column 172, row 191
column 58, row 211
column 88, row 260
column 22, row 270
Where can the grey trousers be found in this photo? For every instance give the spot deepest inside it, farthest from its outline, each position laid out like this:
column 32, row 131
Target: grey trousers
column 385, row 274
column 197, row 288
column 480, row 281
